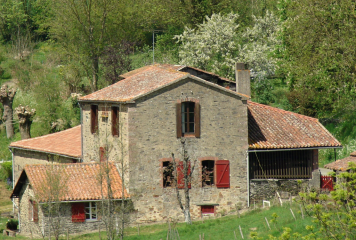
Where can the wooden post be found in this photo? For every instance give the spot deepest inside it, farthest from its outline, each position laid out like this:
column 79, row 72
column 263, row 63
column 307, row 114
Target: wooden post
column 267, row 223
column 67, row 234
column 235, row 235
column 138, row 229
column 293, row 214
column 241, row 232
column 301, row 209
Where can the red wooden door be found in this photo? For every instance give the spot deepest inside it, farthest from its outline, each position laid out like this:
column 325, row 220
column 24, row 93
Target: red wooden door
column 327, row 182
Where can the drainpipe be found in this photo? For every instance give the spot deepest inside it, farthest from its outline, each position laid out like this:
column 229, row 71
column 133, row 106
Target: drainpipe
column 81, row 131
column 248, row 180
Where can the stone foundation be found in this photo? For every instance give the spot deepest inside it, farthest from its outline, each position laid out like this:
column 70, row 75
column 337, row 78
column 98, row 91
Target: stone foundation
column 265, row 189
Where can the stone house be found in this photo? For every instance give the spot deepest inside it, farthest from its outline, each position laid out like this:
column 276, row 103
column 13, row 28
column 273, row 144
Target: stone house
column 243, row 150
column 76, row 186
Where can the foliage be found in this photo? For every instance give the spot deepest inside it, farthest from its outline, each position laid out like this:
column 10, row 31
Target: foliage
column 259, row 44
column 335, row 214
column 6, row 170
column 12, row 224
column 212, row 46
column 319, row 58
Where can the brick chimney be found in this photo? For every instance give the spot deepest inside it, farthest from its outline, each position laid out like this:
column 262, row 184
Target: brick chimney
column 242, row 76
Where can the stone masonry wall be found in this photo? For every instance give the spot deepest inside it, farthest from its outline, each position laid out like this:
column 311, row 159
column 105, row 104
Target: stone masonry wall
column 153, row 137
column 42, row 227
column 22, row 157
column 117, row 145
column 265, row 189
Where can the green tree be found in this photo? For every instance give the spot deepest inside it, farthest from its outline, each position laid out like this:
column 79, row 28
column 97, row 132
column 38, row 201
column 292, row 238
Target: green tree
column 319, row 55
column 212, row 46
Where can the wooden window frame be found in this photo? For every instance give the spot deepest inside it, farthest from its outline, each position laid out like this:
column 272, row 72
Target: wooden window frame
column 94, row 118
column 179, row 120
column 93, row 210
column 33, row 211
column 201, row 160
column 115, row 121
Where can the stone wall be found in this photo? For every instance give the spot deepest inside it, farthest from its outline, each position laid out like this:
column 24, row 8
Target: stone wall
column 116, row 145
column 153, row 137
column 23, row 157
column 42, row 227
column 265, row 189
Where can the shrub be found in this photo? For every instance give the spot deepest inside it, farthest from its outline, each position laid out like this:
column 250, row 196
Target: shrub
column 6, row 171
column 12, row 224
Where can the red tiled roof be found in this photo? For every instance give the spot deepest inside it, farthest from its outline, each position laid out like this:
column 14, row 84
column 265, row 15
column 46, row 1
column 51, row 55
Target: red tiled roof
column 342, row 164
column 79, row 181
column 67, row 142
column 273, row 128
column 138, row 83
column 142, row 69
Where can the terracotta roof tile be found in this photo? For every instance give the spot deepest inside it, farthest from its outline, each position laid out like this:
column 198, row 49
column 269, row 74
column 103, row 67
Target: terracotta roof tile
column 138, row 83
column 67, row 142
column 341, row 164
column 142, row 69
column 80, row 180
column 273, row 128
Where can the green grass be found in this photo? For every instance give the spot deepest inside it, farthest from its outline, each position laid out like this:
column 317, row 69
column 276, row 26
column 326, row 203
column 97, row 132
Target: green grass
column 222, row 228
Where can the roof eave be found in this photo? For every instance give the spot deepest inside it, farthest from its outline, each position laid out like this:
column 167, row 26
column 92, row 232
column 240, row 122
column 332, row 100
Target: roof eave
column 47, row 152
column 290, row 149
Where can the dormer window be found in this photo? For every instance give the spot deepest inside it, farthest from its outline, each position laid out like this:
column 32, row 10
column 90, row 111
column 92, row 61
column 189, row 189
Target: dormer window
column 188, row 119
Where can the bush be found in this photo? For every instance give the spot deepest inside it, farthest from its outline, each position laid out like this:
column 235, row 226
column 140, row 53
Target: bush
column 12, row 224
column 6, row 171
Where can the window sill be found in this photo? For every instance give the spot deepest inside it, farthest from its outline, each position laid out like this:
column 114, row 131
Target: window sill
column 91, row 220
column 188, row 135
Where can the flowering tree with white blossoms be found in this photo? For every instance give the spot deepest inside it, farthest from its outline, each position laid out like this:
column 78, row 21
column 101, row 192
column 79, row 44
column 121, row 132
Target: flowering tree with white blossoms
column 212, row 46
column 260, row 42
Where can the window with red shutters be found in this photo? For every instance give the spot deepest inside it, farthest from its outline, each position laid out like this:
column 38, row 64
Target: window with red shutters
column 94, row 118
column 115, row 121
column 78, row 212
column 222, row 173
column 180, row 173
column 209, row 209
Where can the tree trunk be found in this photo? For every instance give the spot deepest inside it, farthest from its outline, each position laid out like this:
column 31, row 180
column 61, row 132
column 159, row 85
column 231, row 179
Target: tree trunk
column 6, row 98
column 25, row 116
column 95, row 73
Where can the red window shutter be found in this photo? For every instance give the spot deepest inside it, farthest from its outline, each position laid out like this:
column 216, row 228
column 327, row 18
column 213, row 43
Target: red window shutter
column 115, row 121
column 102, row 154
column 180, row 174
column 94, row 118
column 78, row 212
column 179, row 119
column 222, row 173
column 207, row 209
column 197, row 119
column 35, row 211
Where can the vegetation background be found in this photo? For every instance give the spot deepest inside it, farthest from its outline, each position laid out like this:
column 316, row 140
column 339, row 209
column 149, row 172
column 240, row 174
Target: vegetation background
column 301, row 53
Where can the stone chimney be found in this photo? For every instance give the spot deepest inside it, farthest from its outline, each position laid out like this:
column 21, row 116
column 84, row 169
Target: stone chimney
column 242, row 76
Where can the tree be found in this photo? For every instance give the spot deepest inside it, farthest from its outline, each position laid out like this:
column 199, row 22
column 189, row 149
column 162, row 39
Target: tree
column 83, row 28
column 319, row 57
column 25, row 116
column 183, row 175
column 50, row 193
column 116, row 61
column 260, row 42
column 212, row 46
column 6, row 98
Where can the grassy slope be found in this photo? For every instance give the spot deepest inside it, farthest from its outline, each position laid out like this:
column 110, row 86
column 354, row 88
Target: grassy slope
column 223, row 228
